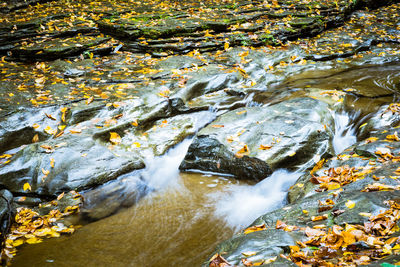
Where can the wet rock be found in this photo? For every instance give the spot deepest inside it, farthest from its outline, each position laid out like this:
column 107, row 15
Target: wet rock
column 363, row 156
column 81, row 155
column 79, row 163
column 250, row 142
column 57, row 48
column 107, row 199
column 17, row 127
column 267, row 244
column 6, row 211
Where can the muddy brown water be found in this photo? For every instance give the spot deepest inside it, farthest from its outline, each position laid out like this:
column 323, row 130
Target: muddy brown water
column 174, row 227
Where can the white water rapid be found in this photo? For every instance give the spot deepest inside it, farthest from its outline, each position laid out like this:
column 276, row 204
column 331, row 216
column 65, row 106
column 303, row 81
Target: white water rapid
column 242, row 204
column 345, row 132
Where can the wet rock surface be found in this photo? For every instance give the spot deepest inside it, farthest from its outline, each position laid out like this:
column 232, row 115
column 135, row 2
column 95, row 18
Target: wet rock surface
column 91, row 98
column 251, row 142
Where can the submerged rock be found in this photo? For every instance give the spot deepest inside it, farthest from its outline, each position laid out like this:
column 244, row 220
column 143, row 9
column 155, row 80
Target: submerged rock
column 251, row 142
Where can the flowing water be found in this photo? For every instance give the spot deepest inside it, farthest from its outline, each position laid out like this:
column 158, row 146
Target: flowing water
column 345, row 132
column 186, row 215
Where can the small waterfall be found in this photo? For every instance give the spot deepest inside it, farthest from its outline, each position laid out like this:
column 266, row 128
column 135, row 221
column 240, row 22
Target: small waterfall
column 242, row 204
column 345, row 131
column 163, row 171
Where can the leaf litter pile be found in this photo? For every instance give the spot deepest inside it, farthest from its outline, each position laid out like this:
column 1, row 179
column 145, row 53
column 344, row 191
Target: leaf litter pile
column 31, row 226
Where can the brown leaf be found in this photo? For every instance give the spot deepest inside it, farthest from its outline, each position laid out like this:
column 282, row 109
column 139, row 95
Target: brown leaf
column 218, row 261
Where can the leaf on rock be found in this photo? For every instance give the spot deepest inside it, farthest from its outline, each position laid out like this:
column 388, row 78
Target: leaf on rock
column 27, row 186
column 115, row 138
column 218, row 261
column 350, row 204
column 255, row 228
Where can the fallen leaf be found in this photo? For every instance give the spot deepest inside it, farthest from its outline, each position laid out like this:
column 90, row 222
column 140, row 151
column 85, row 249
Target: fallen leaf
column 265, row 147
column 350, row 204
column 35, row 138
column 255, row 228
column 115, row 138
column 27, row 186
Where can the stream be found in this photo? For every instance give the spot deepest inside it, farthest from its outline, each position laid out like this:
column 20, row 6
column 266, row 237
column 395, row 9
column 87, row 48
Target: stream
column 170, row 153
column 184, row 215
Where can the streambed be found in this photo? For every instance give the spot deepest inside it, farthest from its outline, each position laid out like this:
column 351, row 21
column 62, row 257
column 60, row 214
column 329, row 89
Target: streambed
column 127, row 129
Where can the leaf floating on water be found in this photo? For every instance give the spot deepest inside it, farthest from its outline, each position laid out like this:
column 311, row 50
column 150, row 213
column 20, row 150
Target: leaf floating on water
column 363, row 125
column 371, row 140
column 115, row 138
column 27, row 187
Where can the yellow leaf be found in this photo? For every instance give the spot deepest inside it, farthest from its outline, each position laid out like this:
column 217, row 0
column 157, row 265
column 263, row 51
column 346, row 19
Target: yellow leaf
column 136, row 144
column 27, row 186
column 50, row 131
column 75, row 131
column 255, row 228
column 60, row 196
column 17, row 242
column 35, row 138
column 243, row 151
column 226, row 46
column 52, row 162
column 363, row 125
column 265, row 147
column 33, row 240
column 350, row 204
column 35, row 126
column 89, row 100
column 45, row 172
column 135, row 122
column 249, row 253
column 371, row 140
column 115, row 138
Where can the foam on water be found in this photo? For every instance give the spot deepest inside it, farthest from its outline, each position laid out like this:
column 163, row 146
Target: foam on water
column 163, row 171
column 240, row 205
